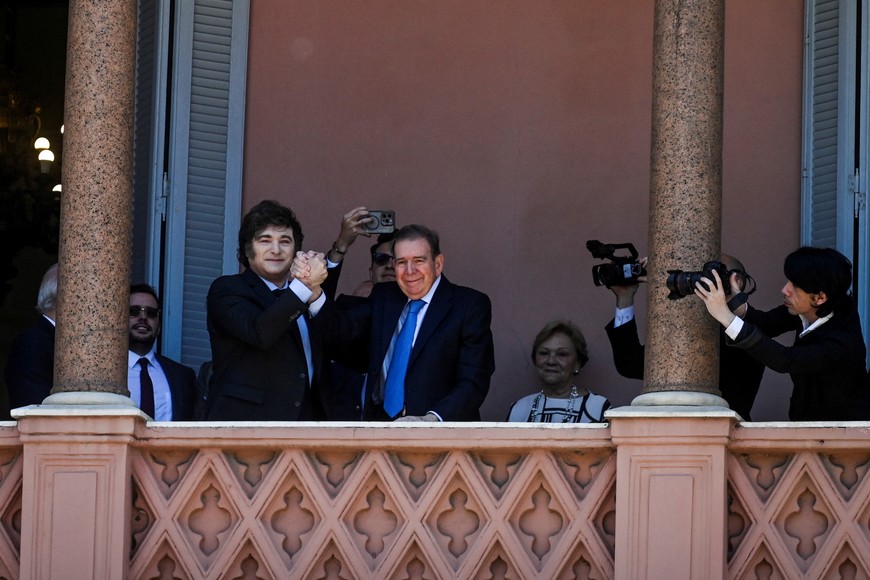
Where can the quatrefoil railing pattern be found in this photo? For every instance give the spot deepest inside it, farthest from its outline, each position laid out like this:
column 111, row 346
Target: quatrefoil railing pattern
column 286, row 502
column 375, row 511
column 796, row 512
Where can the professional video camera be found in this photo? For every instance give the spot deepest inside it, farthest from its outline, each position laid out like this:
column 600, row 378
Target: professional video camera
column 682, row 284
column 621, row 271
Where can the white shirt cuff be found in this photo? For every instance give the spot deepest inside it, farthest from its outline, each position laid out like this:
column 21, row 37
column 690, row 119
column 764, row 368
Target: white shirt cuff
column 734, row 328
column 623, row 315
column 315, row 306
column 300, row 290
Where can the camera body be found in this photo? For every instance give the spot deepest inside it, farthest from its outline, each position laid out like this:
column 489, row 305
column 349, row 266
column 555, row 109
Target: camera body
column 621, row 271
column 384, row 222
column 682, row 284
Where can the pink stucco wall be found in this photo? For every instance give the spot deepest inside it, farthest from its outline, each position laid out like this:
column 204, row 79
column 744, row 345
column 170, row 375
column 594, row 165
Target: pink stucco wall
column 518, row 130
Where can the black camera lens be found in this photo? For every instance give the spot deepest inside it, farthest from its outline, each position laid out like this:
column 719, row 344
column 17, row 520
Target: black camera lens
column 682, row 284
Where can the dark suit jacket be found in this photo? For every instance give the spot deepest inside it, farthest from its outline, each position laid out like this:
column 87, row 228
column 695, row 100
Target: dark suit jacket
column 182, row 387
column 348, row 361
column 827, row 365
column 259, row 372
column 739, row 374
column 30, row 365
column 452, row 359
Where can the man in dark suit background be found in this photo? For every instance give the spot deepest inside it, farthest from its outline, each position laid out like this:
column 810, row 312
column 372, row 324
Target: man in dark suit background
column 451, row 358
column 164, row 389
column 347, row 384
column 267, row 357
column 739, row 374
column 30, row 366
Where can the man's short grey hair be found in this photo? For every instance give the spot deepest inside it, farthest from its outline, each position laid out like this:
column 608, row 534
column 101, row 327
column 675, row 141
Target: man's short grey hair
column 45, row 301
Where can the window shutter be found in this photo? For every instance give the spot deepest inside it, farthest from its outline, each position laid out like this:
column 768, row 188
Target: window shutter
column 205, row 175
column 149, row 129
column 836, row 112
column 862, row 181
column 828, row 125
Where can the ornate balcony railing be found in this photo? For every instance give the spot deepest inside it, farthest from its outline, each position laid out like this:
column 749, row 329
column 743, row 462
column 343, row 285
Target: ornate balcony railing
column 103, row 494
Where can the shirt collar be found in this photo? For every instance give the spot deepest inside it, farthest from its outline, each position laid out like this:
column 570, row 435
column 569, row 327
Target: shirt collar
column 810, row 327
column 428, row 296
column 272, row 286
column 133, row 358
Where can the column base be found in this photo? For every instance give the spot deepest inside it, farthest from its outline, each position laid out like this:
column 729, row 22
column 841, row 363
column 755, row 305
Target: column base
column 81, row 403
column 88, row 398
column 679, row 399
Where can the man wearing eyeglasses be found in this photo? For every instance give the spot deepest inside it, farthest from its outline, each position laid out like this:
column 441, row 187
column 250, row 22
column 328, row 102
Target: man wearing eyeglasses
column 347, row 384
column 162, row 388
column 382, row 268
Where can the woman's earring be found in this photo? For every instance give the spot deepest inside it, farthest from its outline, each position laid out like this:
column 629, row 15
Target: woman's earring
column 576, row 371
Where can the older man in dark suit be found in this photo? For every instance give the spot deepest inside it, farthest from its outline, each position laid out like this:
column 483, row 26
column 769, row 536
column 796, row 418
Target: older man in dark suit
column 431, row 348
column 161, row 387
column 30, row 365
column 267, row 357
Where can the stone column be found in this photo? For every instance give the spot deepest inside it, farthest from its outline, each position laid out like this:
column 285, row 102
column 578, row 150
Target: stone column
column 95, row 238
column 685, row 198
column 78, row 443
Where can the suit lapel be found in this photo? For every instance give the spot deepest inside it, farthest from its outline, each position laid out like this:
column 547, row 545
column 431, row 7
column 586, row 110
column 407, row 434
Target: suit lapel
column 393, row 306
column 394, row 303
column 174, row 381
column 259, row 290
column 265, row 299
column 441, row 304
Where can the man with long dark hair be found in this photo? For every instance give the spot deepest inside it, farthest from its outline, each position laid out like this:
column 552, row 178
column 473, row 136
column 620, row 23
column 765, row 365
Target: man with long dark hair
column 267, row 358
column 828, row 358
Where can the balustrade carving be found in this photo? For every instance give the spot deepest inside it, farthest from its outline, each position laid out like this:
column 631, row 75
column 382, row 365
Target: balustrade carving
column 259, row 506
column 333, row 512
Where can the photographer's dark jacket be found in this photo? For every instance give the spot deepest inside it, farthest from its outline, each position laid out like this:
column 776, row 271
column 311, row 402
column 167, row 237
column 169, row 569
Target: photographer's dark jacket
column 739, row 374
column 826, row 364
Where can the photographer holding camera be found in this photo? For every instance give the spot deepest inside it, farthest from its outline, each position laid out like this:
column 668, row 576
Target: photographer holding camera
column 739, row 374
column 346, row 384
column 827, row 360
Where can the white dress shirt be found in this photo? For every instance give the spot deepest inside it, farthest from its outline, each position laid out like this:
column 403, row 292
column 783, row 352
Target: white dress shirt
column 304, row 294
column 162, row 394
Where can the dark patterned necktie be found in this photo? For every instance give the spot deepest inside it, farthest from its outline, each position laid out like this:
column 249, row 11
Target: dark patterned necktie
column 146, row 389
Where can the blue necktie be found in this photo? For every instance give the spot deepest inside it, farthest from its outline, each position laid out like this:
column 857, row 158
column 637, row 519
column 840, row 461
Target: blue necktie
column 394, row 390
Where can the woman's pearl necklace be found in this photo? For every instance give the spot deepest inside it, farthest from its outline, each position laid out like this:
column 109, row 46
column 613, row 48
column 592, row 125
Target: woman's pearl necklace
column 569, row 410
